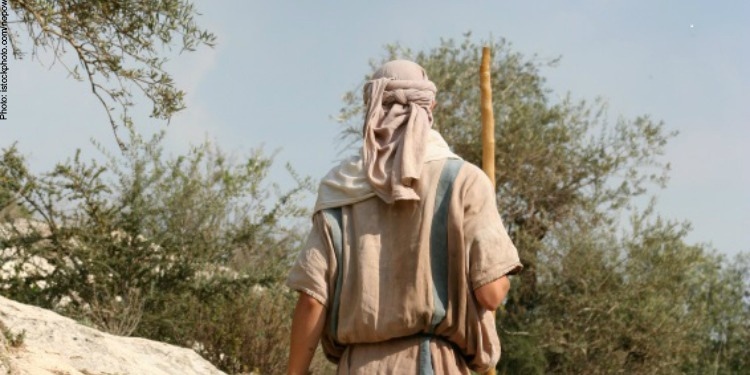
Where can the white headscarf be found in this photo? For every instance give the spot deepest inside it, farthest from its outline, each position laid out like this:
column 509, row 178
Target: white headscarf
column 398, row 140
column 399, row 115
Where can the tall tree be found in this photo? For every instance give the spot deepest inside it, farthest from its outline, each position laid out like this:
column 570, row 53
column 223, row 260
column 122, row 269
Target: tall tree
column 116, row 46
column 589, row 300
column 556, row 161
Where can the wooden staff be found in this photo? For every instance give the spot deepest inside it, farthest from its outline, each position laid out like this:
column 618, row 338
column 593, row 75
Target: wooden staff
column 488, row 126
column 488, row 119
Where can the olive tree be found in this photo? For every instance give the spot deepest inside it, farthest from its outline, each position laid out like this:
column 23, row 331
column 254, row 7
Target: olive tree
column 597, row 295
column 116, row 46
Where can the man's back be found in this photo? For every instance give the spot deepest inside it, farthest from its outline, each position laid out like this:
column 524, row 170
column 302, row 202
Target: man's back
column 407, row 252
column 389, row 281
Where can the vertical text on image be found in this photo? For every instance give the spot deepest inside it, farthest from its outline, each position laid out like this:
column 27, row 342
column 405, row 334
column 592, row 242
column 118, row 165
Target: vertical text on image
column 4, row 59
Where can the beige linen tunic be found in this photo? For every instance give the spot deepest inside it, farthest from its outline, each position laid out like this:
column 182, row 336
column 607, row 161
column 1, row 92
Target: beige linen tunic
column 386, row 298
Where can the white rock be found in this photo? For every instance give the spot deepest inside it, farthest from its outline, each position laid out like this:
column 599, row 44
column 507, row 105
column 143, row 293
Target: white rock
column 53, row 344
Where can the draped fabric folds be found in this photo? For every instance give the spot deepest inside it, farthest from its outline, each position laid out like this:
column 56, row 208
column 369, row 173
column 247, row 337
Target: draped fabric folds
column 347, row 183
column 399, row 103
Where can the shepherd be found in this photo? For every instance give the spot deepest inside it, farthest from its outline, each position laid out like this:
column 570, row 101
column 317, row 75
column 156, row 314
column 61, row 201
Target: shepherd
column 408, row 257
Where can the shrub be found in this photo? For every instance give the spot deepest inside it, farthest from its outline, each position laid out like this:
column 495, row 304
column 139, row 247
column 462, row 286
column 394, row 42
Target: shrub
column 172, row 249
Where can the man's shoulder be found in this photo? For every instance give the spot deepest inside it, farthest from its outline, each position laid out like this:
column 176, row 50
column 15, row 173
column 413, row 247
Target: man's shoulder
column 468, row 173
column 344, row 184
column 472, row 178
column 471, row 169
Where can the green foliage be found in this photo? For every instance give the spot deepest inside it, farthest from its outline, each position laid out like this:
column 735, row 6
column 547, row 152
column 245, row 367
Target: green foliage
column 237, row 331
column 645, row 302
column 117, row 46
column 590, row 300
column 10, row 209
column 723, row 296
column 175, row 249
column 555, row 161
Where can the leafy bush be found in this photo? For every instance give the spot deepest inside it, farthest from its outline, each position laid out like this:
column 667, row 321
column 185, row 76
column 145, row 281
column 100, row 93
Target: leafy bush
column 172, row 249
column 236, row 331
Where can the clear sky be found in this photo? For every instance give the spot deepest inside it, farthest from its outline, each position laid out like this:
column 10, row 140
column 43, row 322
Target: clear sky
column 280, row 68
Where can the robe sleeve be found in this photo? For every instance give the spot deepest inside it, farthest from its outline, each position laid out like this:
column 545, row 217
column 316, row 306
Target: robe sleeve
column 311, row 272
column 492, row 254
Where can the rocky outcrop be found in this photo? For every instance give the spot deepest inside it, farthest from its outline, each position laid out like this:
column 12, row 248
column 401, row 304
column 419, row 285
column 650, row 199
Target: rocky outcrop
column 35, row 341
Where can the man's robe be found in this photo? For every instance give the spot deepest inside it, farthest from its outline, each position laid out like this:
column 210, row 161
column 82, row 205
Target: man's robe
column 386, row 301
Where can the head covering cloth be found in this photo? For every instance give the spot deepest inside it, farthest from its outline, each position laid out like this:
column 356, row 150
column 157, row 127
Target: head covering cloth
column 399, row 102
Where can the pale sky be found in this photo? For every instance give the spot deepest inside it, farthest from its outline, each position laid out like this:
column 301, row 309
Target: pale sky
column 280, row 69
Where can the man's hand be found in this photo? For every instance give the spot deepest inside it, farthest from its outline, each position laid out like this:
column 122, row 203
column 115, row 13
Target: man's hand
column 491, row 295
column 307, row 326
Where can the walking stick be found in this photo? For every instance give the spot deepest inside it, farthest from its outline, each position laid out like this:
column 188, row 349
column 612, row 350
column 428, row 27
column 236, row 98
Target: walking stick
column 488, row 119
column 488, row 126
